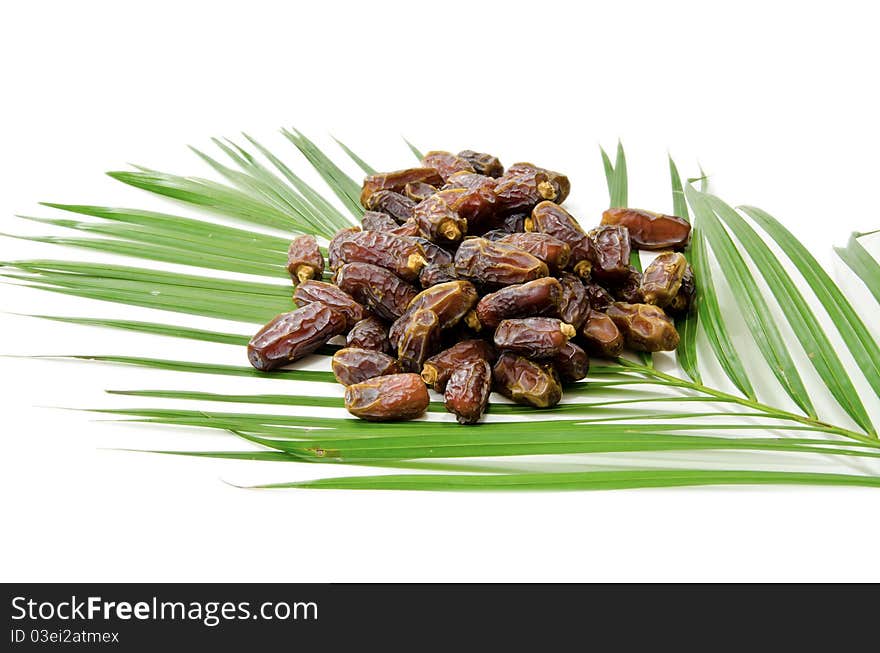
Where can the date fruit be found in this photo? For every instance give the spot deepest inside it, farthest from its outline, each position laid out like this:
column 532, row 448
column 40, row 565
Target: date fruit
column 609, row 253
column 402, row 256
column 535, row 337
column 380, row 290
column 312, row 291
column 290, row 336
column 601, row 335
column 419, row 191
column 438, row 368
column 369, row 333
column 436, row 273
column 662, row 279
column 397, row 181
column 376, row 221
column 352, row 365
column 388, row 398
column 551, row 219
column 334, row 258
column 572, row 363
column 526, row 382
column 304, row 260
column 574, row 302
column 684, row 298
column 449, row 301
column 538, row 297
column 419, row 339
column 437, row 220
column 467, row 392
column 649, row 230
column 554, row 252
column 446, row 163
column 496, row 264
column 483, row 164
column 644, row 327
column 398, row 206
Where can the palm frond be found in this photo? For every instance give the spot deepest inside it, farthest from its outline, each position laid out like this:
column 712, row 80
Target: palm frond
column 862, row 263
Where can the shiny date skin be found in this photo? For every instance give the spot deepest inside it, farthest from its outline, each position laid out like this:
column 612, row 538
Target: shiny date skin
column 525, row 381
column 398, row 206
column 535, row 337
column 290, row 336
column 554, row 252
column 334, row 258
column 601, row 335
column 388, row 398
column 574, row 301
column 380, row 290
column 520, row 190
column 644, row 327
column 649, row 230
column 402, row 256
column 572, row 363
column 304, row 259
column 482, row 163
column 449, row 301
column 396, row 181
column 560, row 183
column 496, row 264
column 609, row 253
column 534, row 298
column 437, row 273
column 352, row 365
column 369, row 333
column 600, row 299
column 376, row 221
column 662, row 279
column 684, row 298
column 419, row 191
column 434, row 254
column 446, row 163
column 553, row 220
column 467, row 392
column 437, row 220
column 437, row 369
column 409, row 229
column 312, row 291
column 474, row 201
column 629, row 289
column 419, row 339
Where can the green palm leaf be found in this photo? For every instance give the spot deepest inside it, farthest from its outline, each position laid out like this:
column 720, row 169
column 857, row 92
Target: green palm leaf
column 686, row 325
column 862, row 263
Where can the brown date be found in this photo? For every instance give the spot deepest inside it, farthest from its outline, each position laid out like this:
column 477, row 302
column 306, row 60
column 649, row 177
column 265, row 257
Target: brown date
column 600, row 299
column 397, row 181
column 410, row 229
column 601, row 335
column 535, row 337
column 483, row 164
column 574, row 302
column 419, row 191
column 515, row 223
column 398, row 206
column 495, row 234
column 684, row 298
column 312, row 291
column 449, row 301
column 572, row 363
column 555, row 253
column 380, row 290
column 388, row 398
column 376, row 221
column 644, row 327
column 446, row 163
column 560, row 183
column 439, row 367
column 434, row 254
column 553, row 220
column 662, row 279
column 369, row 333
column 496, row 264
column 649, row 230
column 526, row 382
column 476, row 201
column 520, row 190
column 290, row 336
column 437, row 273
column 419, row 339
column 352, row 365
column 402, row 256
column 609, row 253
column 467, row 392
column 334, row 259
column 628, row 289
column 304, row 260
column 538, row 297
column 437, row 220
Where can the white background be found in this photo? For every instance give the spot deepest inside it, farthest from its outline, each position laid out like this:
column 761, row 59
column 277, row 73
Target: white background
column 778, row 101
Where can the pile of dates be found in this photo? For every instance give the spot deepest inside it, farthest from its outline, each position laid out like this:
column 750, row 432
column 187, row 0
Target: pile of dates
column 465, row 278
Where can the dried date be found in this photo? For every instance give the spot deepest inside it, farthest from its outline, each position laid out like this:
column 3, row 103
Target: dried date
column 609, row 253
column 553, row 220
column 437, row 220
column 376, row 221
column 467, row 392
column 419, row 191
column 380, row 290
column 312, row 291
column 369, row 333
column 398, row 206
column 438, row 368
column 649, row 230
column 644, row 327
column 684, row 298
column 574, row 302
column 304, row 260
column 446, row 163
column 437, row 273
column 419, row 339
column 397, row 181
column 554, row 252
column 572, row 363
column 601, row 335
column 290, row 336
column 538, row 297
column 402, row 256
column 526, row 382
column 662, row 279
column 483, row 164
column 496, row 264
column 334, row 258
column 388, row 398
column 352, row 365
column 449, row 301
column 535, row 337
